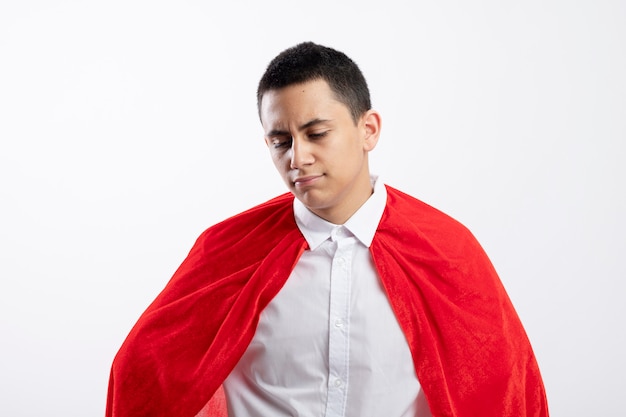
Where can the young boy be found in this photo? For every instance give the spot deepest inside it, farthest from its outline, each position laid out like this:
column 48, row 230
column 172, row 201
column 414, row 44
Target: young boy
column 351, row 299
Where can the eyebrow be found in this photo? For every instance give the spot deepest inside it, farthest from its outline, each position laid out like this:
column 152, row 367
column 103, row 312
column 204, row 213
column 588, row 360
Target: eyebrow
column 310, row 123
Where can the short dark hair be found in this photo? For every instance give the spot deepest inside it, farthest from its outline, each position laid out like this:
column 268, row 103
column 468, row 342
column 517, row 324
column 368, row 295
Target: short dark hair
column 308, row 61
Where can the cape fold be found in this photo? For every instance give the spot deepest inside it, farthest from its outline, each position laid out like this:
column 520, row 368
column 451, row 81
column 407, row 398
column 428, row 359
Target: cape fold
column 188, row 340
column 471, row 353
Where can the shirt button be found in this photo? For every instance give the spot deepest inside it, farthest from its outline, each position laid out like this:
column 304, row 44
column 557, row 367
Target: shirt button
column 339, row 323
column 338, row 382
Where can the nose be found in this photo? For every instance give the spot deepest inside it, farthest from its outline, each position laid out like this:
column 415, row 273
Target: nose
column 300, row 154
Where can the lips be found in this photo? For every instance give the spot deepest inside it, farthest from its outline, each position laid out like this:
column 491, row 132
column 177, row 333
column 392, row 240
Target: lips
column 306, row 180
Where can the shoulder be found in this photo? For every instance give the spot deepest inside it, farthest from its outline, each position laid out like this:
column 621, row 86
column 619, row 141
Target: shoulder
column 240, row 241
column 271, row 209
column 415, row 234
column 418, row 221
column 275, row 214
column 409, row 208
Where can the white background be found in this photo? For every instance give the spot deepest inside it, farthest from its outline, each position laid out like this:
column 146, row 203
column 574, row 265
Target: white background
column 128, row 127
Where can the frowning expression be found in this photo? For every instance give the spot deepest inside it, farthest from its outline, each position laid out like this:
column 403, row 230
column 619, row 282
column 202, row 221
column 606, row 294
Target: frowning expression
column 319, row 149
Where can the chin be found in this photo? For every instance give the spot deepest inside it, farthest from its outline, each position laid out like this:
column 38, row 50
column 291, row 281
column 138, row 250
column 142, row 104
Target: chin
column 315, row 204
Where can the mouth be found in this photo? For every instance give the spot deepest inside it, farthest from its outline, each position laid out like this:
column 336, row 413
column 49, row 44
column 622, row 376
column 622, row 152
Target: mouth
column 307, row 180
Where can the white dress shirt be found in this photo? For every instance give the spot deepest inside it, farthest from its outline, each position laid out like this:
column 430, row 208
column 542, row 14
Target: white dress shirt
column 329, row 343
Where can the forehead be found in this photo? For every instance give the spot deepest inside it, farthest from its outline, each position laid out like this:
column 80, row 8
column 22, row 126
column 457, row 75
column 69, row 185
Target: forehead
column 299, row 103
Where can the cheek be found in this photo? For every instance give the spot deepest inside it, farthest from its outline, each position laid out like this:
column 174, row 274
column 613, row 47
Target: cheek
column 281, row 162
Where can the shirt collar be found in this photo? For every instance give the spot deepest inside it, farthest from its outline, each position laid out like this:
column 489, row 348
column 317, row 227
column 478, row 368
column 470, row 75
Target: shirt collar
column 362, row 224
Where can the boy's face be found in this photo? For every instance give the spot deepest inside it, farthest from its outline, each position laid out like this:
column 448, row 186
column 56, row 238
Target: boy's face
column 318, row 149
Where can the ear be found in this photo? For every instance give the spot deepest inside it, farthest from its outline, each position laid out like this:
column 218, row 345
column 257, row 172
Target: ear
column 371, row 124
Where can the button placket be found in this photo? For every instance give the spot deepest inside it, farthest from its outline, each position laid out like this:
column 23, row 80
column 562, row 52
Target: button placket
column 339, row 342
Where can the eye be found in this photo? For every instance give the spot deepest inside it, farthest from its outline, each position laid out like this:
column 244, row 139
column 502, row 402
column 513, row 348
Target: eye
column 317, row 135
column 281, row 142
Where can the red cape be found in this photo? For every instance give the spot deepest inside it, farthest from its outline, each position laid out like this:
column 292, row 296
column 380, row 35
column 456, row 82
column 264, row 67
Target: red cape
column 470, row 351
